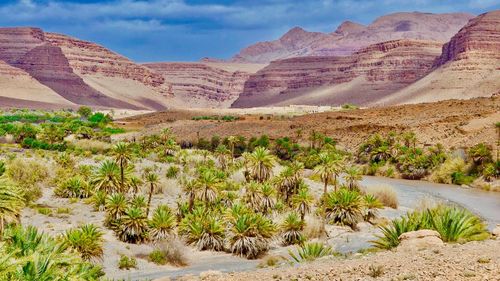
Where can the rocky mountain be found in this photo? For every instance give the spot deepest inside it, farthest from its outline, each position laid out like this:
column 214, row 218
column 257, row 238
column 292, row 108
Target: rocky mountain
column 350, row 37
column 468, row 67
column 205, row 84
column 70, row 72
column 366, row 76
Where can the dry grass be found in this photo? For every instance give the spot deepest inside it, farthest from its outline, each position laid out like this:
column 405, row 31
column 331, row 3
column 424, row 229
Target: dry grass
column 28, row 174
column 314, row 228
column 385, row 194
column 174, row 251
column 92, row 145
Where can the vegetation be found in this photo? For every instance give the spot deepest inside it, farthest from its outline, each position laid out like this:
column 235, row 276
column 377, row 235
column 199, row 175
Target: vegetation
column 311, row 251
column 454, row 224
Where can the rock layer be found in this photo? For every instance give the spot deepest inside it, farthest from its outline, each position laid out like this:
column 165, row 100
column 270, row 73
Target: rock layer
column 468, row 66
column 69, row 68
column 350, row 37
column 205, row 84
column 363, row 77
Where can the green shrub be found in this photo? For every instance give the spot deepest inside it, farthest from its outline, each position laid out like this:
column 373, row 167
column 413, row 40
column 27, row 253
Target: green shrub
column 127, row 263
column 454, row 224
column 344, row 207
column 445, row 172
column 157, row 257
column 172, row 172
column 311, row 251
column 2, row 168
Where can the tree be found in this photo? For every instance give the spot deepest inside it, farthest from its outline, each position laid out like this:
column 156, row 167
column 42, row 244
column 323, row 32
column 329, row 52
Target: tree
column 162, row 223
column 302, row 202
column 11, row 203
column 207, row 184
column 135, row 182
column 352, row 176
column 84, row 111
column 232, row 140
column 134, row 226
column 153, row 180
column 325, row 170
column 268, row 201
column 291, row 229
column 122, row 155
column 222, row 153
column 116, row 204
column 87, row 240
column 261, row 163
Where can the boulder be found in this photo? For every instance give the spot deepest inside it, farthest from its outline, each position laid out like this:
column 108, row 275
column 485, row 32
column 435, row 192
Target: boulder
column 419, row 240
column 496, row 231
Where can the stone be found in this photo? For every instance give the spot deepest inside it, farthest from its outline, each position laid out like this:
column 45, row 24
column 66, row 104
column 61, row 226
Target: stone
column 496, row 231
column 419, row 240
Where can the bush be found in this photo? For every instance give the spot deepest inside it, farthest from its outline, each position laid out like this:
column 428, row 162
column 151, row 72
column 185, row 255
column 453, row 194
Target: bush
column 74, row 187
column 385, row 194
column 311, row 251
column 172, row 172
column 28, row 174
column 454, row 224
column 2, row 168
column 127, row 263
column 86, row 240
column 157, row 257
column 451, row 170
column 344, row 207
column 174, row 252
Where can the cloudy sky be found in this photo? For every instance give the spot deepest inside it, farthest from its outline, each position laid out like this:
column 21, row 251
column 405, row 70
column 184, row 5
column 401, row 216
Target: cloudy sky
column 187, row 30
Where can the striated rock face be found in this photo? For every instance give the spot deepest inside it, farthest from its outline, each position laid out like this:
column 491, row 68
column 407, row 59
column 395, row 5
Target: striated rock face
column 80, row 72
column 468, row 66
column 350, row 37
column 205, row 84
column 363, row 77
column 87, row 58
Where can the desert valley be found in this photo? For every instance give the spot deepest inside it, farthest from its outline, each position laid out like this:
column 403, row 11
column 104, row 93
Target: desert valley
column 370, row 152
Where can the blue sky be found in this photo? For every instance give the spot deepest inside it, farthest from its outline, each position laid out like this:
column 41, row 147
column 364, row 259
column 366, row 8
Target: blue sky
column 187, row 30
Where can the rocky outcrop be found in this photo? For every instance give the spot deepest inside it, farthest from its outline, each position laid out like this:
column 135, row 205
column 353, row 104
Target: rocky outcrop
column 419, row 240
column 80, row 72
column 87, row 58
column 468, row 66
column 204, row 84
column 366, row 76
column 350, row 37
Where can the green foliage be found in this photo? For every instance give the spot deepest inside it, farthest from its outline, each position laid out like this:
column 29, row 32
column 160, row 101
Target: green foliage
column 74, row 187
column 291, row 229
column 162, row 223
column 27, row 254
column 11, row 202
column 311, row 251
column 157, row 257
column 28, row 174
column 84, row 111
column 87, row 240
column 454, row 224
column 133, row 227
column 343, row 207
column 127, row 263
column 172, row 172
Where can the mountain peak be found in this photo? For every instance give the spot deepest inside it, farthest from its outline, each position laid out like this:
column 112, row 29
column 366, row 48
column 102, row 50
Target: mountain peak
column 348, row 27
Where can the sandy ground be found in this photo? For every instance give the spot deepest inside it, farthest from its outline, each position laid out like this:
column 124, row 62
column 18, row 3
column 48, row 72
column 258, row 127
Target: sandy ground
column 471, row 261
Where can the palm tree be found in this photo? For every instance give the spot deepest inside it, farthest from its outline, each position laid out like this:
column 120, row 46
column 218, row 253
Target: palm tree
column 371, row 206
column 252, row 195
column 232, row 140
column 302, row 202
column 268, row 200
column 289, row 180
column 11, row 203
column 203, row 229
column 135, row 182
column 344, row 207
column 152, row 179
column 352, row 176
column 87, row 240
column 190, row 188
column 222, row 153
column 162, row 223
column 207, row 184
column 291, row 229
column 328, row 169
column 122, row 155
column 116, row 204
column 107, row 177
column 250, row 234
column 139, row 201
column 134, row 226
column 261, row 163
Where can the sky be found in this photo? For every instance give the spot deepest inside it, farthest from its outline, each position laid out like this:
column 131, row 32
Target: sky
column 188, row 30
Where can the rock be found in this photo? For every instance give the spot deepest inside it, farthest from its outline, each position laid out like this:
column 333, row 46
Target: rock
column 204, row 84
column 350, row 37
column 210, row 273
column 418, row 240
column 375, row 71
column 496, row 231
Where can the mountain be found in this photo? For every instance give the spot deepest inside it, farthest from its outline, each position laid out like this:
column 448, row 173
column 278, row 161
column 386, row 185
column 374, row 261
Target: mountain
column 207, row 83
column 366, row 76
column 61, row 71
column 350, row 37
column 468, row 67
